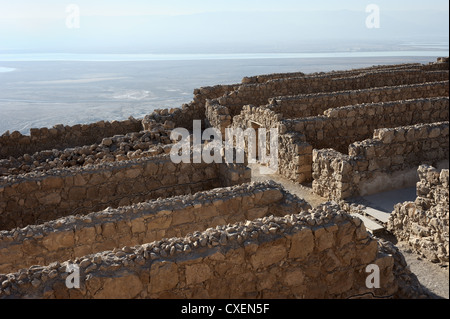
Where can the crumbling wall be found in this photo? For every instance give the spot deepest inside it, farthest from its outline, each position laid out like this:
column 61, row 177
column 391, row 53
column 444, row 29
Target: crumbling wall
column 117, row 148
column 424, row 224
column 75, row 236
column 339, row 127
column 61, row 137
column 387, row 161
column 267, row 77
column 38, row 197
column 294, row 153
column 317, row 254
column 184, row 116
column 217, row 116
column 315, row 104
column 259, row 94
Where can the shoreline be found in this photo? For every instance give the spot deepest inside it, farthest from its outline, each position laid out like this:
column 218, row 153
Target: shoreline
column 25, row 104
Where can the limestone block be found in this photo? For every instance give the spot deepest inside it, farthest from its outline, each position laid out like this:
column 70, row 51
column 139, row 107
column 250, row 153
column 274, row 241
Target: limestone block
column 367, row 253
column 162, row 222
column 269, row 254
column 109, row 230
column 302, row 244
column 324, row 239
column 79, row 180
column 256, row 213
column 271, row 196
column 52, row 182
column 50, row 199
column 123, row 287
column 197, row 273
column 57, row 240
column 138, row 225
column 77, row 193
column 163, row 277
column 295, row 278
column 85, row 235
column 182, row 217
column 345, row 233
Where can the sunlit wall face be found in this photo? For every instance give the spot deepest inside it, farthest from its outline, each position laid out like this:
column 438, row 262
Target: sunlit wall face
column 214, row 26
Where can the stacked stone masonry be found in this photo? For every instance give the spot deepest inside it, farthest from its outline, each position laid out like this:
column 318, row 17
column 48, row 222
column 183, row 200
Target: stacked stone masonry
column 76, row 236
column 424, row 224
column 61, row 137
column 117, row 148
column 388, row 161
column 316, row 104
column 259, row 94
column 268, row 77
column 347, row 116
column 321, row 253
column 340, row 127
column 62, row 192
column 107, row 197
column 337, row 128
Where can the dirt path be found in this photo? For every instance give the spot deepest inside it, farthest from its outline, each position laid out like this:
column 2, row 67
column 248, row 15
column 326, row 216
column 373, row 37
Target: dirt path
column 432, row 276
column 302, row 191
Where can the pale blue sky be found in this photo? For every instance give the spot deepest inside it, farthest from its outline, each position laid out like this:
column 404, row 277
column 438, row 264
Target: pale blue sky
column 165, row 25
column 55, row 8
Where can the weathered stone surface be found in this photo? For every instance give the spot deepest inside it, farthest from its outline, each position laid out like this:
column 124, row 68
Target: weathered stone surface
column 197, row 273
column 302, row 244
column 379, row 169
column 56, row 240
column 315, row 254
column 163, row 276
column 124, row 287
column 424, row 223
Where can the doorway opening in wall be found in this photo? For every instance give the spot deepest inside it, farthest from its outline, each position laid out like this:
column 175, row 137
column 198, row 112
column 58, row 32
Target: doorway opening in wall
column 256, row 126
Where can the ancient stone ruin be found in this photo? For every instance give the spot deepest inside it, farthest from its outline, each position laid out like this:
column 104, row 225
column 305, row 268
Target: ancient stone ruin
column 107, row 198
column 424, row 223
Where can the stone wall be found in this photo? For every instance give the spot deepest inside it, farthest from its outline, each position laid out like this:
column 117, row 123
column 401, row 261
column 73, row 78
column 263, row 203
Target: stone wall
column 41, row 196
column 339, row 127
column 259, row 94
column 274, row 76
column 335, row 129
column 117, row 148
column 315, row 104
column 61, row 137
column 387, row 161
column 322, row 253
column 424, row 224
column 184, row 116
column 217, row 116
column 220, row 101
column 294, row 153
column 76, row 236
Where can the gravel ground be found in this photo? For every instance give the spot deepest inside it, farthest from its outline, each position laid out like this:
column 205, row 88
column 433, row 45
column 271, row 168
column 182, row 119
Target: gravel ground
column 432, row 276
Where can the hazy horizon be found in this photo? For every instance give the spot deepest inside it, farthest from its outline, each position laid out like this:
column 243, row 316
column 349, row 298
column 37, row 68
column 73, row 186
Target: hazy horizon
column 128, row 58
column 217, row 26
column 47, row 93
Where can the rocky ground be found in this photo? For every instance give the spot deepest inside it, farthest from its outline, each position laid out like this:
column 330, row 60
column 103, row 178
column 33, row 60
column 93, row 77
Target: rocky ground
column 433, row 277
